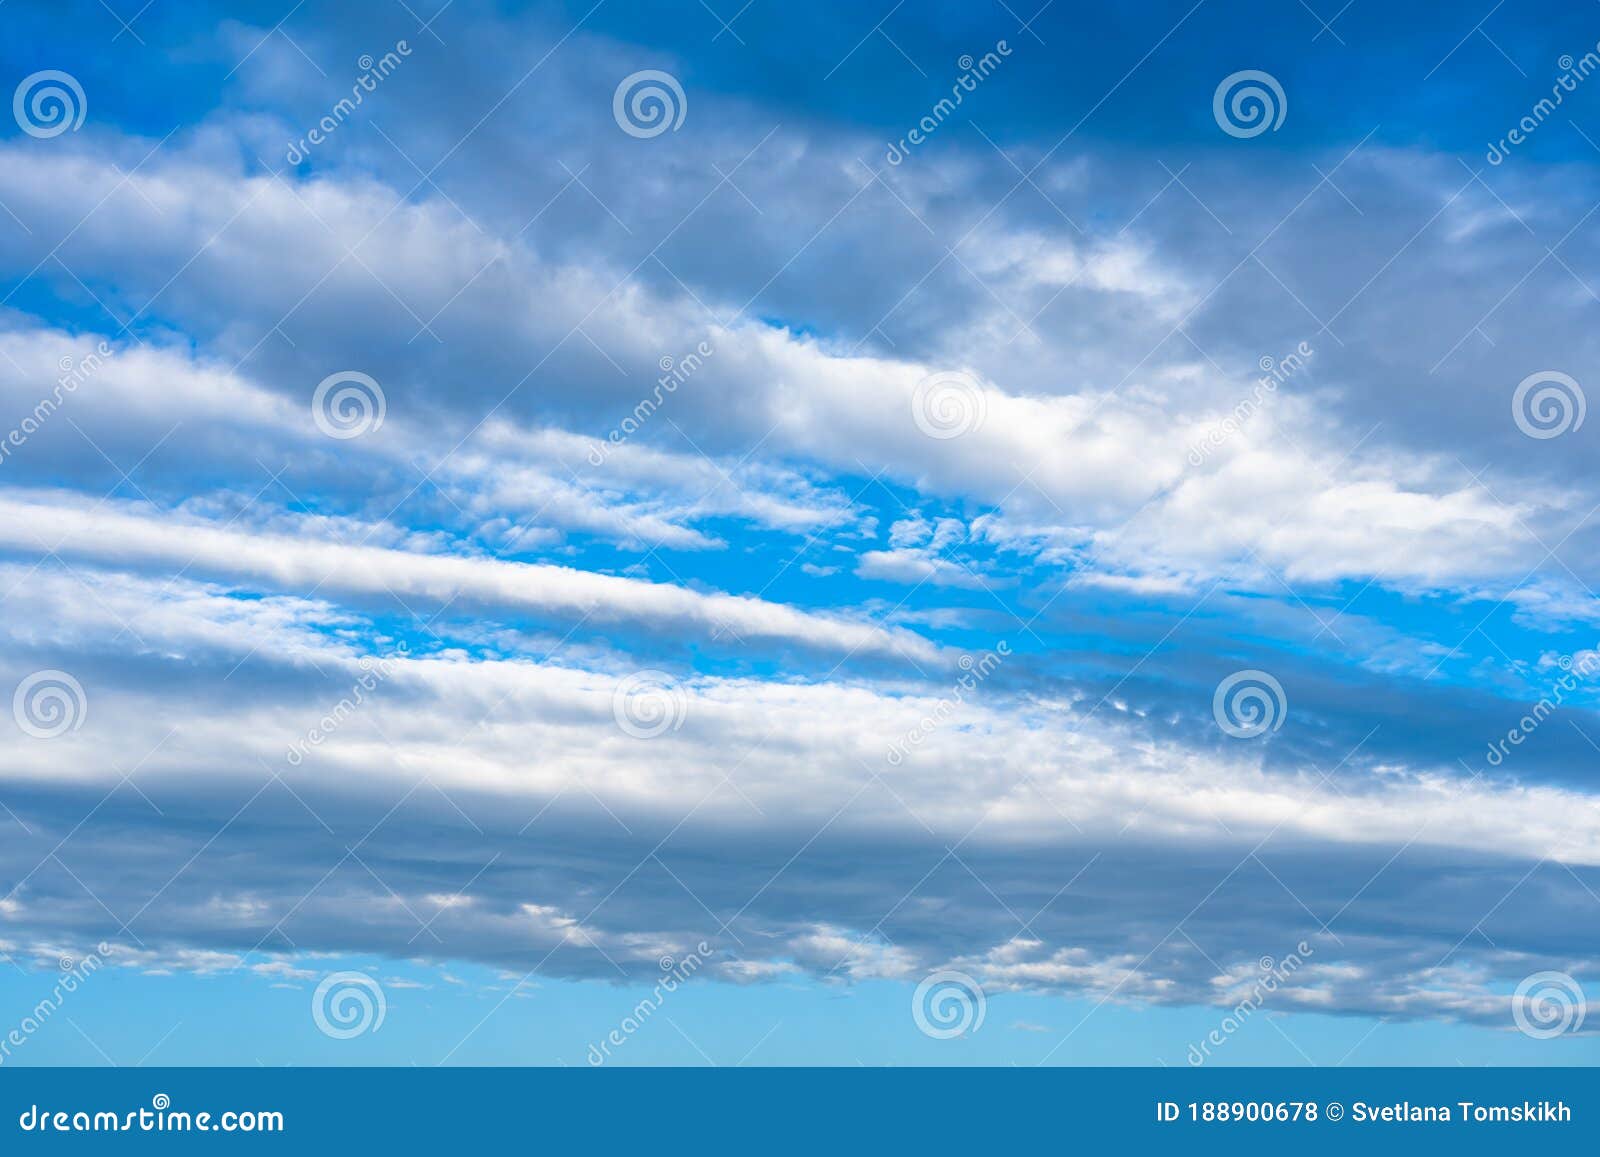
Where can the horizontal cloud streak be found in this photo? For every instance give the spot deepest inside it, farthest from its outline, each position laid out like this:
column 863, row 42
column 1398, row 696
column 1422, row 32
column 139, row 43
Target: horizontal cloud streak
column 122, row 534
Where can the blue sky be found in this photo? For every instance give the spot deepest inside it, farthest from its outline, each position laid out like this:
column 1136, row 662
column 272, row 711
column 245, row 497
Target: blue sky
column 465, row 546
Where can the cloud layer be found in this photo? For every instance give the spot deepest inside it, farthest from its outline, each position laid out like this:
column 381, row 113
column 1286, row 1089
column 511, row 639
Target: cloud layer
column 744, row 539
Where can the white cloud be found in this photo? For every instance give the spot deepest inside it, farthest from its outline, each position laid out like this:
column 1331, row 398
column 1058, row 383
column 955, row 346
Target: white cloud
column 806, row 748
column 1100, row 467
column 128, row 534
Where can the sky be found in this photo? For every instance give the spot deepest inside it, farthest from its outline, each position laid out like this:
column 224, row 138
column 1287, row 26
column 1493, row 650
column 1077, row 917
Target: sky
column 937, row 533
